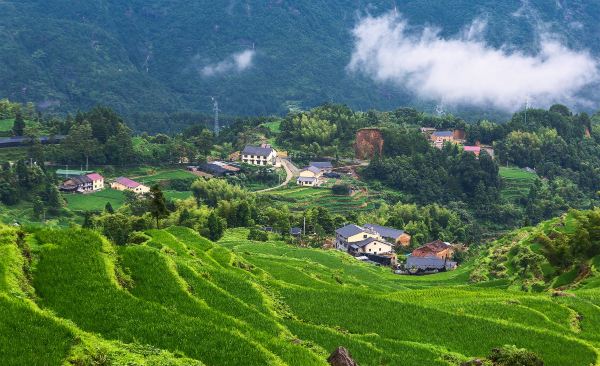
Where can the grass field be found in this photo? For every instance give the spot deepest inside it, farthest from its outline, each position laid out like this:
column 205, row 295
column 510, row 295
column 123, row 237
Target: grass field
column 6, row 124
column 517, row 183
column 180, row 299
column 274, row 126
column 164, row 175
column 97, row 201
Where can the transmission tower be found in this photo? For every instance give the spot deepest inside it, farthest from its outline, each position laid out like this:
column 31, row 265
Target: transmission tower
column 216, row 110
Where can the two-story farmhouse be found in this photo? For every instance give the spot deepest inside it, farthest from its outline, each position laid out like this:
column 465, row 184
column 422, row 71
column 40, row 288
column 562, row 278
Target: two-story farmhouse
column 439, row 138
column 83, row 183
column 310, row 177
column 259, row 155
column 349, row 234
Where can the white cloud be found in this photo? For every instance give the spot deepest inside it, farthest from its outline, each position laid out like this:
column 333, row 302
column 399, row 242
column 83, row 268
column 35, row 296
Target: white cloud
column 464, row 69
column 236, row 62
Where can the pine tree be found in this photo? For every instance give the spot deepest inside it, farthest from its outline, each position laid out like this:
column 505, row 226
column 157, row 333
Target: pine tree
column 157, row 204
column 215, row 226
column 19, row 125
column 108, row 208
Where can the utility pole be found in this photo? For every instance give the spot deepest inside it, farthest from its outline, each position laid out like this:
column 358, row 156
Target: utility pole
column 216, row 110
column 304, row 226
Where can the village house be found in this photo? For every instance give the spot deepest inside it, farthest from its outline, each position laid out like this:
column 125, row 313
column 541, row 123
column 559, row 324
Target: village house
column 392, row 235
column 439, row 138
column 350, row 234
column 370, row 246
column 324, row 166
column 437, row 249
column 259, row 155
column 97, row 181
column 126, row 184
column 83, row 183
column 310, row 177
column 473, row 149
column 416, row 264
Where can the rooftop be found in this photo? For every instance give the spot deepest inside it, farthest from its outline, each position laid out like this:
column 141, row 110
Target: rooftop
column 313, row 169
column 349, row 230
column 257, row 150
column 472, row 148
column 386, row 232
column 95, row 176
column 127, row 182
column 367, row 241
column 435, row 246
column 443, row 133
column 321, row 164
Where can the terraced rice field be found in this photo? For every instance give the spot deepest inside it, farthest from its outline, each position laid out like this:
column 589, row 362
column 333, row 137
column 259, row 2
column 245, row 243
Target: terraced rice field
column 305, row 197
column 70, row 297
column 517, row 183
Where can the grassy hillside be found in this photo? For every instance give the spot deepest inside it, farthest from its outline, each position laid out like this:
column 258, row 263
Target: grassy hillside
column 70, row 297
column 131, row 56
column 558, row 254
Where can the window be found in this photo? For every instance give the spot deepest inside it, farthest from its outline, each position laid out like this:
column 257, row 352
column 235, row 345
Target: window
column 369, row 250
column 364, row 236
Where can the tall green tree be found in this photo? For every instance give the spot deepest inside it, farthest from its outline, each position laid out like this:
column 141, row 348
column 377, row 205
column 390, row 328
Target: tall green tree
column 157, row 204
column 216, row 227
column 19, row 125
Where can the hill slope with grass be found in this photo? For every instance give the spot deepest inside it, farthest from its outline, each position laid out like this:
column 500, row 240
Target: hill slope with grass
column 70, row 297
column 559, row 254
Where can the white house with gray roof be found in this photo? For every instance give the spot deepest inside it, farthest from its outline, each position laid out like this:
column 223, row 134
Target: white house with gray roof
column 370, row 246
column 374, row 239
column 350, row 234
column 262, row 155
column 310, row 176
column 393, row 235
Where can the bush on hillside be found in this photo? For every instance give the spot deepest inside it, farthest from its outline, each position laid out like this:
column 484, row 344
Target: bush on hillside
column 513, row 356
column 138, row 237
column 341, row 189
column 257, row 235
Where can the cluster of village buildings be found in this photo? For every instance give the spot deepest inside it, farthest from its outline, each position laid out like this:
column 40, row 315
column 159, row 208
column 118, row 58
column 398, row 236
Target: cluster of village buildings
column 440, row 137
column 377, row 244
column 89, row 182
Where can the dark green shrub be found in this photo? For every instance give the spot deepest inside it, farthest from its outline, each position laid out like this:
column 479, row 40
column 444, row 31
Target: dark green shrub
column 513, row 356
column 341, row 189
column 258, row 235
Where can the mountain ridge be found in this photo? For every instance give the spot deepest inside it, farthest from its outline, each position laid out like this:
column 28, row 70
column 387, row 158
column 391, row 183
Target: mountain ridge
column 141, row 56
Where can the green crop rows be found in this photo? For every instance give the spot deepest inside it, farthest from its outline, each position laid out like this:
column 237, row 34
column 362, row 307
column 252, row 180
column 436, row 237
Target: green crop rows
column 70, row 297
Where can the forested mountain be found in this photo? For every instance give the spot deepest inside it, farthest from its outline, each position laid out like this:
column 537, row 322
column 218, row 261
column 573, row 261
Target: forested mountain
column 257, row 57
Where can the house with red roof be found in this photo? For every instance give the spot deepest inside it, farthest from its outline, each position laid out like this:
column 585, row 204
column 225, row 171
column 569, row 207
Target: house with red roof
column 126, row 184
column 97, row 181
column 473, row 149
column 435, row 249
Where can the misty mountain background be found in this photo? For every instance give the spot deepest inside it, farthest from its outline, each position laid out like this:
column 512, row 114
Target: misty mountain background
column 256, row 57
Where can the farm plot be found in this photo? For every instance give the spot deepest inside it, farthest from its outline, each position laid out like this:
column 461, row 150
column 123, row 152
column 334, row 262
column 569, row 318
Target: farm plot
column 301, row 198
column 516, row 183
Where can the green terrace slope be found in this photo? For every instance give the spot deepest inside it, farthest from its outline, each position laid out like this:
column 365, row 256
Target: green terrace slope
column 562, row 253
column 70, row 297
